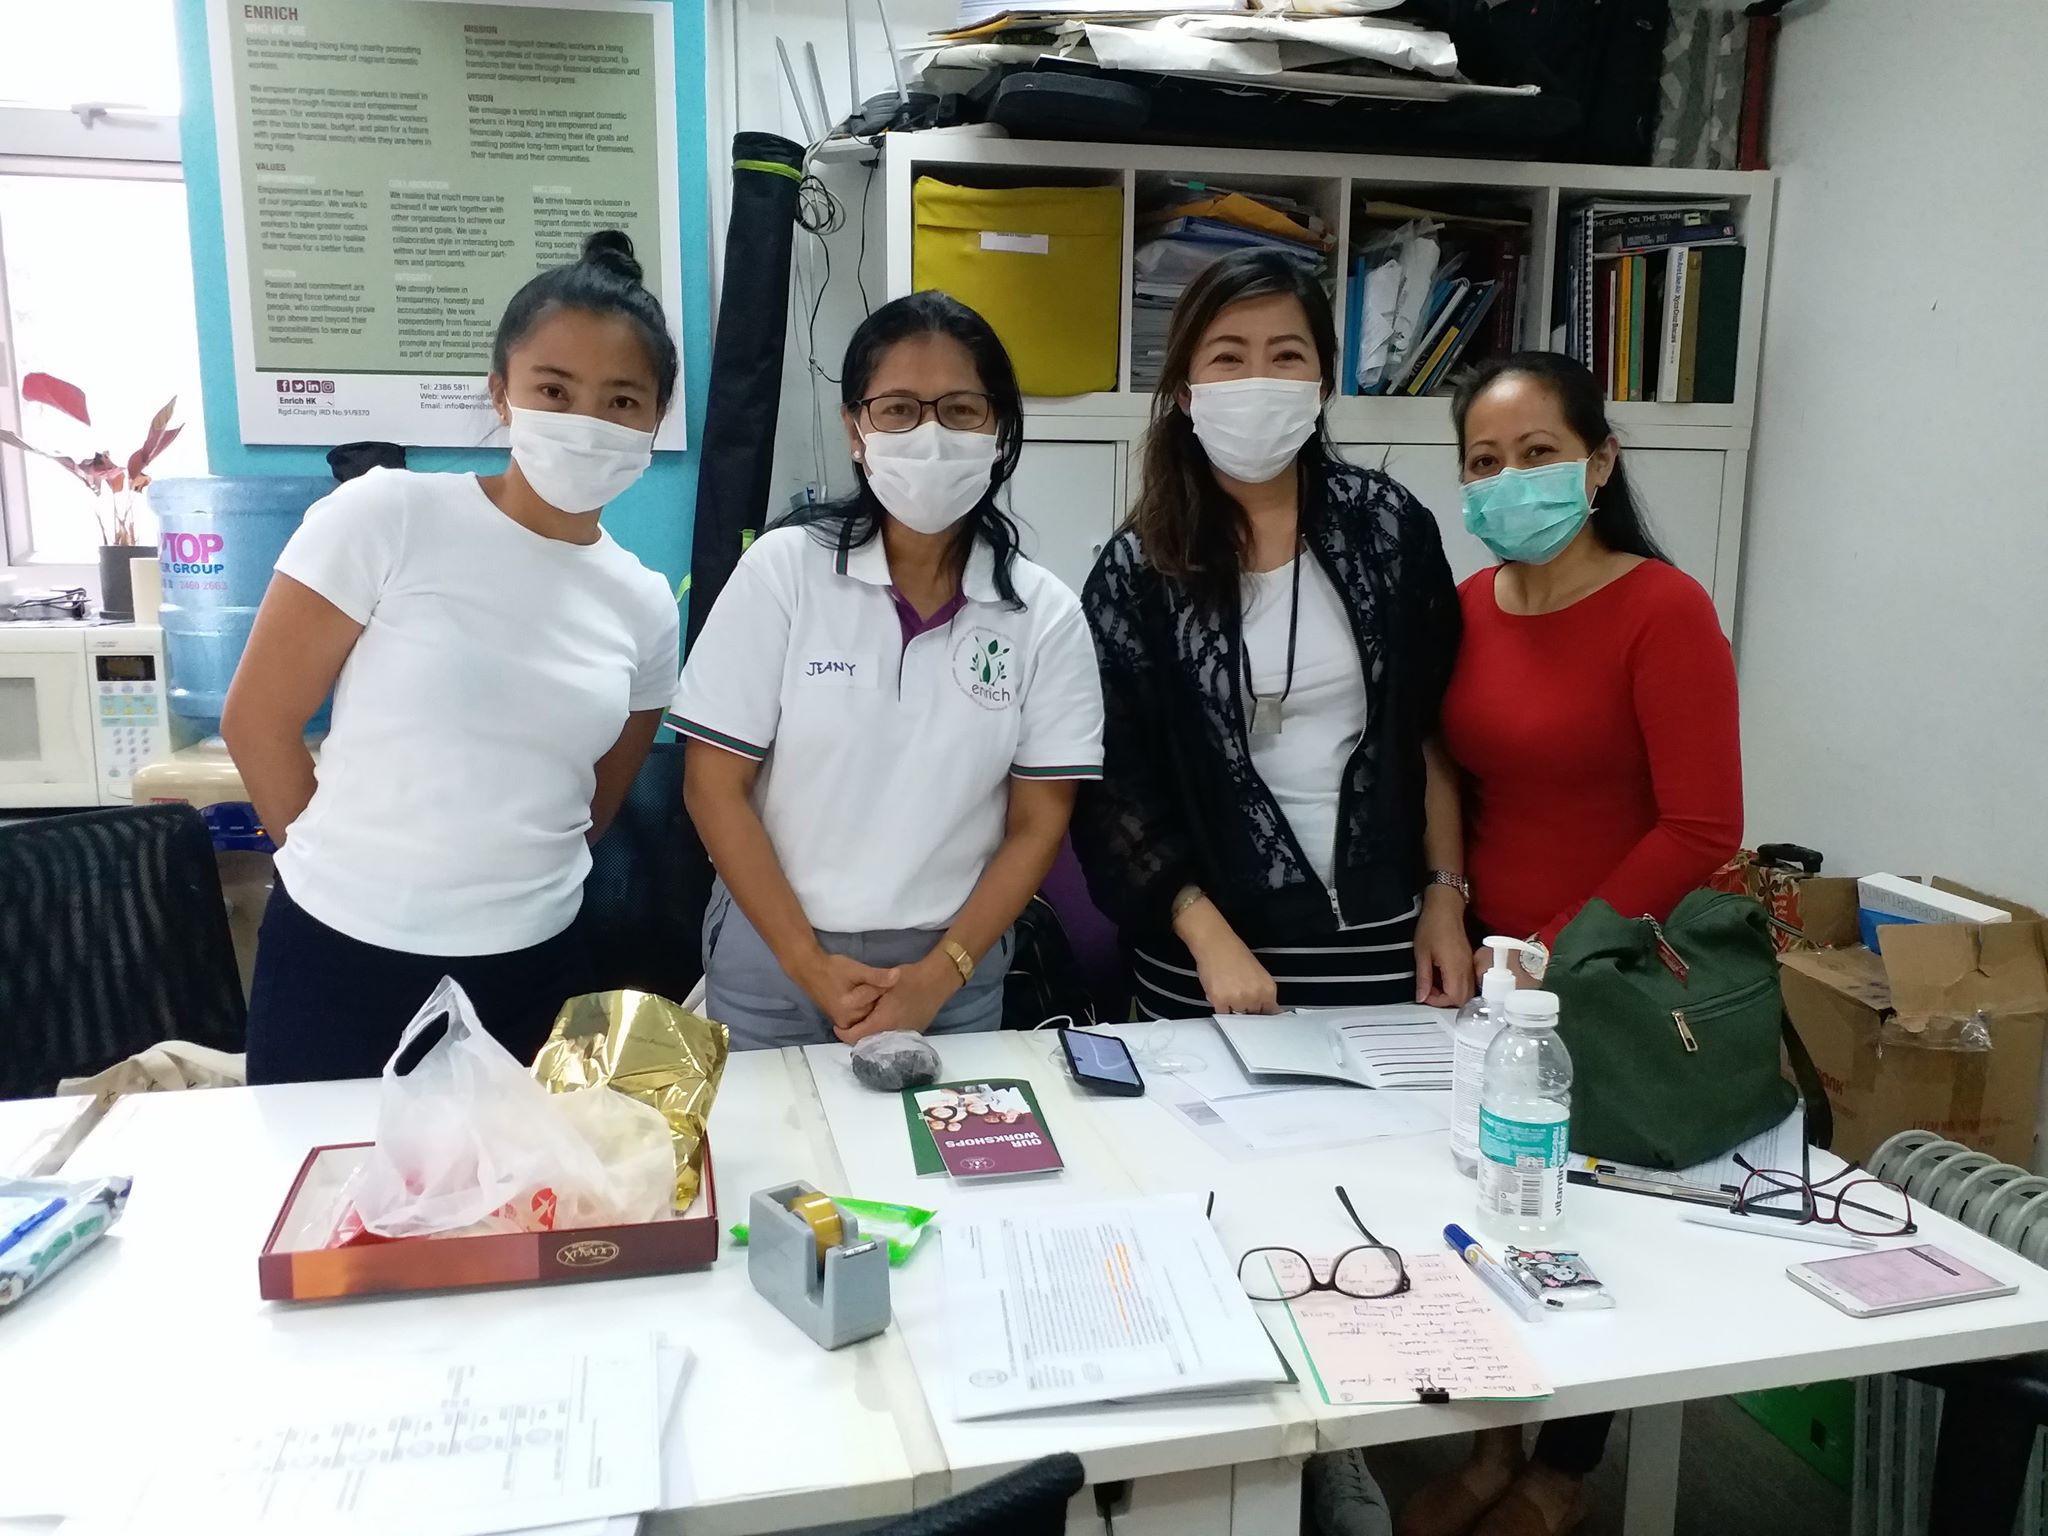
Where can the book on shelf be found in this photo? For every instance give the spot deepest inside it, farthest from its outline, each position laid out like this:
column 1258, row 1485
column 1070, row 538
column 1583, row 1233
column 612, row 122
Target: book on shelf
column 976, row 14
column 1637, row 227
column 1654, row 298
column 1663, row 236
column 1720, row 324
column 1470, row 313
column 1218, row 232
column 1354, row 320
column 1649, row 340
column 1689, row 329
column 1638, row 304
column 1672, row 326
column 1624, row 310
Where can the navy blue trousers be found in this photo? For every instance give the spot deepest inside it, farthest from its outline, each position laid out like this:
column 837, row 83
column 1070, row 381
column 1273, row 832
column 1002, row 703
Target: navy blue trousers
column 324, row 1006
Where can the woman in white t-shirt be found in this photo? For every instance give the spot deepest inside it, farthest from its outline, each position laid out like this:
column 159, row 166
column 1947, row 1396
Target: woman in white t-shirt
column 888, row 709
column 498, row 665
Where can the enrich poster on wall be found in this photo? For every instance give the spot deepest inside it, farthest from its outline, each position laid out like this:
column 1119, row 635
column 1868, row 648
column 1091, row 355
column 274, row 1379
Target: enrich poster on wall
column 393, row 170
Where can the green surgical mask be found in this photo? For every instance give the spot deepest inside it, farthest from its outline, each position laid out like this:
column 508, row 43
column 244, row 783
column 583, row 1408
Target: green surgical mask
column 1529, row 515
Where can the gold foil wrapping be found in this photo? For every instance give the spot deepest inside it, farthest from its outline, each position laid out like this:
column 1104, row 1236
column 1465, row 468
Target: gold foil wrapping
column 649, row 1049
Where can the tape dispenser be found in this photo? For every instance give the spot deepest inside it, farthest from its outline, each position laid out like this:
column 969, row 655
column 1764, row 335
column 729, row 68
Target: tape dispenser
column 807, row 1256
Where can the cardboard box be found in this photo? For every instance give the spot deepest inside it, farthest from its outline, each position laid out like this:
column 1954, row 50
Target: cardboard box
column 296, row 1264
column 1942, row 1031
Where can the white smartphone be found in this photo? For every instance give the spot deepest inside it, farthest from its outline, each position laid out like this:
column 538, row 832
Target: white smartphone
column 1896, row 1280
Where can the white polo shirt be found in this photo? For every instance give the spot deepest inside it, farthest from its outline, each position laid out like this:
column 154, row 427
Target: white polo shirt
column 886, row 764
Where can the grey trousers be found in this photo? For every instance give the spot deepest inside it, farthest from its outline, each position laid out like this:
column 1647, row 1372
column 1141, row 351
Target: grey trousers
column 747, row 990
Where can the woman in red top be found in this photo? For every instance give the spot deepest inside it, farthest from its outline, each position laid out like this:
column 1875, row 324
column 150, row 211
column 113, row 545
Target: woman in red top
column 1593, row 713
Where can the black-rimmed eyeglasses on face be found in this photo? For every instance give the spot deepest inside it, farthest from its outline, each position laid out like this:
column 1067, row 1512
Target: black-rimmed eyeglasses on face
column 1367, row 1272
column 965, row 410
column 1850, row 1199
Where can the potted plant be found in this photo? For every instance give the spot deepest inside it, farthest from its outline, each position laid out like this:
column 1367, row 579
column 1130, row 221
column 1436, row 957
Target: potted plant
column 114, row 485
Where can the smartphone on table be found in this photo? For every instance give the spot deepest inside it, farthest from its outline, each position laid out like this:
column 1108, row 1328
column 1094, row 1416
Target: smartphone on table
column 1101, row 1063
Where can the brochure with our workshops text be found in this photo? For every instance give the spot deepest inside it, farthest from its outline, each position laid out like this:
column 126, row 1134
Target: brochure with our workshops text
column 979, row 1130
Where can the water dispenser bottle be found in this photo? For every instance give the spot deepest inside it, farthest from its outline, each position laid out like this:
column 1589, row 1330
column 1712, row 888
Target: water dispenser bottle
column 220, row 537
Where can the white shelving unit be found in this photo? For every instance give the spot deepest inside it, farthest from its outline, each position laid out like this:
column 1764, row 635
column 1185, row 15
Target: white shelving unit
column 1689, row 462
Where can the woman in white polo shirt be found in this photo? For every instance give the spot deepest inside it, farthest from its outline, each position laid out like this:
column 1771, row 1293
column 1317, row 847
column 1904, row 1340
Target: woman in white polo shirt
column 499, row 666
column 888, row 710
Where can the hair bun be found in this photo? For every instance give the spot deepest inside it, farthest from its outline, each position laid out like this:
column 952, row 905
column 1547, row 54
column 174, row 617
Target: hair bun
column 612, row 249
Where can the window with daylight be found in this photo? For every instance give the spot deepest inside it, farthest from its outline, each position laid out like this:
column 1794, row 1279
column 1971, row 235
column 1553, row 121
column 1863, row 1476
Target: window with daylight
column 95, row 267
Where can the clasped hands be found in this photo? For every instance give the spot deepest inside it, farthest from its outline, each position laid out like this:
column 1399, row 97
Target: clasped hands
column 863, row 1000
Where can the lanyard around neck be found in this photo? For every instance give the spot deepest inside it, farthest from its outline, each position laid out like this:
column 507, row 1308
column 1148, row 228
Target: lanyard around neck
column 1267, row 711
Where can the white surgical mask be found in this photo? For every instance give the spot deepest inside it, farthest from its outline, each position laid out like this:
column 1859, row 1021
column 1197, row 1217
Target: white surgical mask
column 1252, row 428
column 577, row 463
column 931, row 476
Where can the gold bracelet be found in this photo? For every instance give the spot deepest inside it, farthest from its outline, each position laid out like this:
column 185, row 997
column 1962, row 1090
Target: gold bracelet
column 963, row 962
column 1189, row 895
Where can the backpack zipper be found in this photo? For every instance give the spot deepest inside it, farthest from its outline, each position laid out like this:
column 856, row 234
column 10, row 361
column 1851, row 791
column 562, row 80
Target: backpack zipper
column 1684, row 1018
column 1667, row 952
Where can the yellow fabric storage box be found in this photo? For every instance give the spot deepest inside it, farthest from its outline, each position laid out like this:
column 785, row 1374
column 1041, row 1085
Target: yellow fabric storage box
column 1043, row 265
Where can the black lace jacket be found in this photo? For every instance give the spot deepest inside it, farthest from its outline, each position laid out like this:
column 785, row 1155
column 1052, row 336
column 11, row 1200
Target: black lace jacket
column 1180, row 802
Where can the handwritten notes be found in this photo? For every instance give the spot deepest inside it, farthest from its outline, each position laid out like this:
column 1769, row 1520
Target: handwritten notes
column 1446, row 1334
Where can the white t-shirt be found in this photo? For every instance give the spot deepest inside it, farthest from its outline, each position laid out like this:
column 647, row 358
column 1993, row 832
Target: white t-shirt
column 494, row 669
column 886, row 763
column 1324, row 717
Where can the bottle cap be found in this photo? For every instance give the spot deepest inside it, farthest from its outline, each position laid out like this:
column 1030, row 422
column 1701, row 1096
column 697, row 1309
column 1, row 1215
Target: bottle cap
column 1538, row 1008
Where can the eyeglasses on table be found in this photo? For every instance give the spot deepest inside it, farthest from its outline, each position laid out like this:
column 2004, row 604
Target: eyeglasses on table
column 1850, row 1199
column 1371, row 1271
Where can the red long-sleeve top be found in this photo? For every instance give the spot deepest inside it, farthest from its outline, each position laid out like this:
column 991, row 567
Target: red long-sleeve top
column 1601, row 750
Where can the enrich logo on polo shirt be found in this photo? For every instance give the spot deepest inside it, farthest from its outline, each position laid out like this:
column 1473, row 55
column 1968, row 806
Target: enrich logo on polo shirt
column 982, row 668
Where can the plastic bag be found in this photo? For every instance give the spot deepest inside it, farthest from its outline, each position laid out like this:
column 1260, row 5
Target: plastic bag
column 468, row 1143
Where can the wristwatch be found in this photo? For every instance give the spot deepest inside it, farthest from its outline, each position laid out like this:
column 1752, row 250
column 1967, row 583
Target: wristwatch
column 1456, row 882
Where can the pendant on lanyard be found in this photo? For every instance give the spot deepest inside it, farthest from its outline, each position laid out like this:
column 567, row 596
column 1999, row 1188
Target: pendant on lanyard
column 1269, row 714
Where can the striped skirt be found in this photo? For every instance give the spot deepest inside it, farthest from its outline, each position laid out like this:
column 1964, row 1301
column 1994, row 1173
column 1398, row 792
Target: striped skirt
column 1356, row 967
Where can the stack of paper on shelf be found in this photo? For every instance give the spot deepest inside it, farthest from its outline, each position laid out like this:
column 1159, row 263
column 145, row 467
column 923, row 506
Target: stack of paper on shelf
column 1431, row 288
column 1197, row 223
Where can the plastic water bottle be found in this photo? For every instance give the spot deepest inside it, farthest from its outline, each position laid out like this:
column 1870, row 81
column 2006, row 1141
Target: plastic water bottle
column 219, row 538
column 1478, row 1022
column 1525, row 1109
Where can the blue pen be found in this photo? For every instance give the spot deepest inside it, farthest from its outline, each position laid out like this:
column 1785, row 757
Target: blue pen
column 12, row 1235
column 1497, row 1279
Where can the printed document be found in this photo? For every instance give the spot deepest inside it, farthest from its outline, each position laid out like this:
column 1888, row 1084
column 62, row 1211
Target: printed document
column 1048, row 1307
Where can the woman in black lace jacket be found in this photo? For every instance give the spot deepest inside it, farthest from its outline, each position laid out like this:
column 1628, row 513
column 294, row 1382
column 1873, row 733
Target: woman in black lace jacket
column 1275, row 827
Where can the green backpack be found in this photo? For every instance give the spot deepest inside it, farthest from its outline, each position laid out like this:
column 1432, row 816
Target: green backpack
column 1673, row 1031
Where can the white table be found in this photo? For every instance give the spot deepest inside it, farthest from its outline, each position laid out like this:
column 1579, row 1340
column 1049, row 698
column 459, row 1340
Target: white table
column 1211, row 1466
column 781, row 1433
column 36, row 1135
column 1701, row 1312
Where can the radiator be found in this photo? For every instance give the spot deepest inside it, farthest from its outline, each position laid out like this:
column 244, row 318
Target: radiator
column 1896, row 1419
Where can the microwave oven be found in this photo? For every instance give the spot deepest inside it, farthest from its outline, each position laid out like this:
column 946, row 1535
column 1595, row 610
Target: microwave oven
column 82, row 706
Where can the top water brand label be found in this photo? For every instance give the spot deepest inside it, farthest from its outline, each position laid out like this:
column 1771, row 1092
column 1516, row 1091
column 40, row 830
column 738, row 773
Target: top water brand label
column 192, row 554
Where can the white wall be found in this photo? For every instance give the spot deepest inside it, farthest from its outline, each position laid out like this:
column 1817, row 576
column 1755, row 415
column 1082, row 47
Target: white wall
column 1893, row 630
